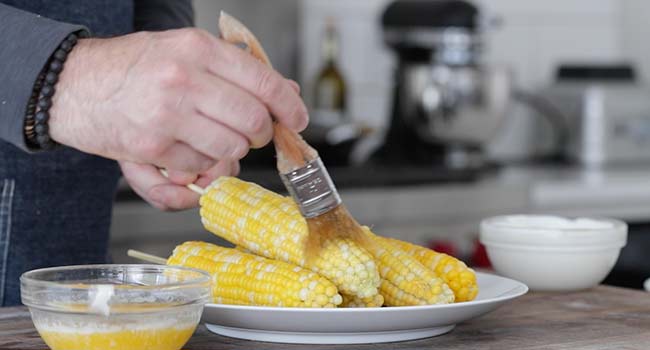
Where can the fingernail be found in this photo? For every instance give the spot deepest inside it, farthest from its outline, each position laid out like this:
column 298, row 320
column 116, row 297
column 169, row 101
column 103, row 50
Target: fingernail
column 159, row 206
column 236, row 167
column 181, row 177
column 156, row 195
column 239, row 150
column 300, row 118
column 294, row 85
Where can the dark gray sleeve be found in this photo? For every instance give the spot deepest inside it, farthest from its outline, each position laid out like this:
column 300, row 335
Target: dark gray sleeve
column 27, row 41
column 155, row 15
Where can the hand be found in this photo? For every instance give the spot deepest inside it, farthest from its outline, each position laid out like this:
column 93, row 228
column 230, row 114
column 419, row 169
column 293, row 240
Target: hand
column 182, row 100
column 171, row 194
column 179, row 99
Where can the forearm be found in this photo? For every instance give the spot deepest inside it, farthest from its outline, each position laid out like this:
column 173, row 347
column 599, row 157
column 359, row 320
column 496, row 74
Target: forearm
column 27, row 41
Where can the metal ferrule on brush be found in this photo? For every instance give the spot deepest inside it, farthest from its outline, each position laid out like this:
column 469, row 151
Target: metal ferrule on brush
column 312, row 188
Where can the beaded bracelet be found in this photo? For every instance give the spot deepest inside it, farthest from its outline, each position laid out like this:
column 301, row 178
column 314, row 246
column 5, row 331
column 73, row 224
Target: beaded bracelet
column 40, row 102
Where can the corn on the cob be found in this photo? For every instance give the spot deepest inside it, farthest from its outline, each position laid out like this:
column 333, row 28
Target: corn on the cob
column 460, row 278
column 353, row 301
column 246, row 279
column 271, row 225
column 404, row 280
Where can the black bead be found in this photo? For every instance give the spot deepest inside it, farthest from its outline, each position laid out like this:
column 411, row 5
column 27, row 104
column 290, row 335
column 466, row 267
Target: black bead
column 66, row 46
column 72, row 39
column 42, row 117
column 60, row 55
column 45, row 103
column 41, row 129
column 51, row 78
column 47, row 90
column 56, row 66
column 42, row 139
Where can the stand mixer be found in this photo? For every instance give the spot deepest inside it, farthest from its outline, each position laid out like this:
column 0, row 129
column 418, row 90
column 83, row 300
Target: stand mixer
column 447, row 104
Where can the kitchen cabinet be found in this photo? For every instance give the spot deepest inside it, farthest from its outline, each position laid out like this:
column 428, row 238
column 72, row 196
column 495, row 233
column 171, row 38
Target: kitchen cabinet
column 600, row 318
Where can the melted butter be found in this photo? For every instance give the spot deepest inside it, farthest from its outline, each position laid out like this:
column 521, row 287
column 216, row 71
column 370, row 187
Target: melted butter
column 172, row 338
column 160, row 334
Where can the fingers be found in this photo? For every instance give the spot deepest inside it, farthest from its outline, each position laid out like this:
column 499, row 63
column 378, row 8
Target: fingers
column 234, row 107
column 183, row 157
column 294, row 85
column 212, row 139
column 235, row 168
column 181, row 177
column 242, row 69
column 223, row 168
column 147, row 182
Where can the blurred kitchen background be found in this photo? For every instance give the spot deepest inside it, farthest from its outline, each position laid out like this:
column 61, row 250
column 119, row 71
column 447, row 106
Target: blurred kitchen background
column 435, row 114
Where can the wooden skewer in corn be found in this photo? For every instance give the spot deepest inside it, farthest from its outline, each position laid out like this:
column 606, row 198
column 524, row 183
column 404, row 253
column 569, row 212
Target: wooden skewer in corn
column 146, row 257
column 193, row 187
column 294, row 153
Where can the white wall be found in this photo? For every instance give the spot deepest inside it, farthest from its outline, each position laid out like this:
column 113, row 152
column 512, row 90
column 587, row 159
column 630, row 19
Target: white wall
column 274, row 22
column 635, row 32
column 538, row 35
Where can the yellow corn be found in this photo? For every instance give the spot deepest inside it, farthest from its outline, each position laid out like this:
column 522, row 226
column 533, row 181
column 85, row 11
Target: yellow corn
column 246, row 279
column 460, row 278
column 353, row 301
column 271, row 225
column 404, row 280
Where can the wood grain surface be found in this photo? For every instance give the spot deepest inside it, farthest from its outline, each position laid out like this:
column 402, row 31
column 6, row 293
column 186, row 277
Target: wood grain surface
column 598, row 319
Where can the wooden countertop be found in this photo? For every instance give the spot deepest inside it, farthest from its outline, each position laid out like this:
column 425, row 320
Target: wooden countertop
column 602, row 318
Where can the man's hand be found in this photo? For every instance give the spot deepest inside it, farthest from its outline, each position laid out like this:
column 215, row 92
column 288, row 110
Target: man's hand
column 183, row 100
column 172, row 194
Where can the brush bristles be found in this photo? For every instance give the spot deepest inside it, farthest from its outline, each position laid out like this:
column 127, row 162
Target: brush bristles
column 334, row 224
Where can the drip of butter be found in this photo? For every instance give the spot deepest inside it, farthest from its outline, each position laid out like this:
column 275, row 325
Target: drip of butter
column 100, row 295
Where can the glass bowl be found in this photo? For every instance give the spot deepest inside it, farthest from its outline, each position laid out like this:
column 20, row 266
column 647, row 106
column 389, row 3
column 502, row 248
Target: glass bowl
column 126, row 307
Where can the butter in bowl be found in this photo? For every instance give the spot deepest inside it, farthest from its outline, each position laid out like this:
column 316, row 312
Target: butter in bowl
column 553, row 253
column 124, row 307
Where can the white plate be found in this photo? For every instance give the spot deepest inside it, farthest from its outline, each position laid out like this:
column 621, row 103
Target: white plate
column 357, row 326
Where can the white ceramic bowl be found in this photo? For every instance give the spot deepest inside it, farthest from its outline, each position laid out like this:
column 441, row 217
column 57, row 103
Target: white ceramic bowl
column 551, row 253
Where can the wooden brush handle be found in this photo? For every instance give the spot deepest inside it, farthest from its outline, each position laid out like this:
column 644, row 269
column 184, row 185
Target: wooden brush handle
column 288, row 142
column 284, row 140
column 234, row 32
